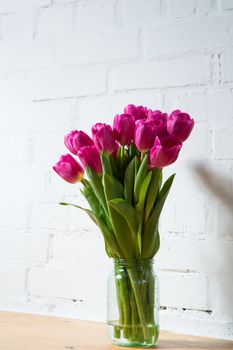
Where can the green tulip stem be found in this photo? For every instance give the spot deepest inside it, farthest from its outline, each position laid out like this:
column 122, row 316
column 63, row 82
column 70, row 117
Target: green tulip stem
column 136, row 290
column 142, row 155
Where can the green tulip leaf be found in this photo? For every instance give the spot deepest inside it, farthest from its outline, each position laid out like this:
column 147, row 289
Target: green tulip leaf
column 113, row 189
column 106, row 165
column 155, row 244
column 127, row 211
column 95, row 181
column 142, row 196
column 140, row 207
column 115, row 170
column 153, row 191
column 151, row 226
column 129, row 181
column 133, row 151
column 141, row 174
column 95, row 205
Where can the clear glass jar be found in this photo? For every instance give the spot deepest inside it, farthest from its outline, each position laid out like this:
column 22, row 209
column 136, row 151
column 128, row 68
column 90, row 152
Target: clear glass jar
column 133, row 303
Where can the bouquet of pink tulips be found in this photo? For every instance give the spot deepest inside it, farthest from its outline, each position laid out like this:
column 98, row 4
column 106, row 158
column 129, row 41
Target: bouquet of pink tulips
column 123, row 185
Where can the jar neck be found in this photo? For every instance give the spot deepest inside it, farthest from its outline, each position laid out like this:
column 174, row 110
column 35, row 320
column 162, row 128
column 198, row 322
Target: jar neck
column 133, row 263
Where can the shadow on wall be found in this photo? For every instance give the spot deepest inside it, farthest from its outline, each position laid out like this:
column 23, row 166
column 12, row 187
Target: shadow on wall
column 215, row 183
column 221, row 258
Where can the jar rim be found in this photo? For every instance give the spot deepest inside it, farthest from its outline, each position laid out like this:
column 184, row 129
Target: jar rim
column 125, row 262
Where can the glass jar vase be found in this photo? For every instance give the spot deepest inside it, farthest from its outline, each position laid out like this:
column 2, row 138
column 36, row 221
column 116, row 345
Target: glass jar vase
column 133, row 303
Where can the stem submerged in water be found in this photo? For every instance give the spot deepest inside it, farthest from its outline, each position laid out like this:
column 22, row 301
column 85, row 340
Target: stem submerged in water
column 135, row 290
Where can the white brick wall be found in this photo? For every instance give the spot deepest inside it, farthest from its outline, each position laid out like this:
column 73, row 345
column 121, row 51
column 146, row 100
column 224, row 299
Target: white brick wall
column 66, row 64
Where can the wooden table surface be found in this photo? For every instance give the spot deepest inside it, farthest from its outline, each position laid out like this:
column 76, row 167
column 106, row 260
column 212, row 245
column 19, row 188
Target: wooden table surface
column 32, row 332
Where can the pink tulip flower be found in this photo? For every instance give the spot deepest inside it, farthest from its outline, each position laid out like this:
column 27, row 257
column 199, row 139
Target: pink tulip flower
column 123, row 128
column 103, row 138
column 69, row 169
column 90, row 157
column 139, row 112
column 144, row 134
column 164, row 152
column 77, row 139
column 160, row 121
column 180, row 124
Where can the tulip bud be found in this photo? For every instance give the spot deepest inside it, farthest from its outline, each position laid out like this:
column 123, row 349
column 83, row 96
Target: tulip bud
column 160, row 121
column 90, row 157
column 144, row 135
column 123, row 128
column 69, row 169
column 77, row 139
column 139, row 112
column 103, row 138
column 180, row 124
column 164, row 152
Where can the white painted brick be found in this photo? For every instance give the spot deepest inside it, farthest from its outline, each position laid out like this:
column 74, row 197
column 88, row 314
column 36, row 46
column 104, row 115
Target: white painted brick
column 19, row 154
column 220, row 294
column 32, row 55
column 25, row 305
column 227, row 4
column 91, row 110
column 89, row 46
column 48, row 149
column 220, row 104
column 173, row 72
column 13, row 88
column 134, row 12
column 185, row 183
column 205, row 256
column 104, row 108
column 56, row 186
column 47, row 215
column 223, row 143
column 189, row 36
column 18, row 210
column 228, row 66
column 214, row 177
column 18, row 27
column 65, row 1
column 195, row 322
column 74, row 248
column 194, row 103
column 187, row 213
column 56, row 21
column 181, row 8
column 152, row 99
column 12, row 282
column 66, row 82
column 203, row 7
column 55, row 216
column 201, row 139
column 169, row 211
column 23, row 247
column 82, row 311
column 183, row 290
column 39, row 117
column 103, row 18
column 24, row 182
column 67, row 283
column 224, row 218
column 16, row 5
